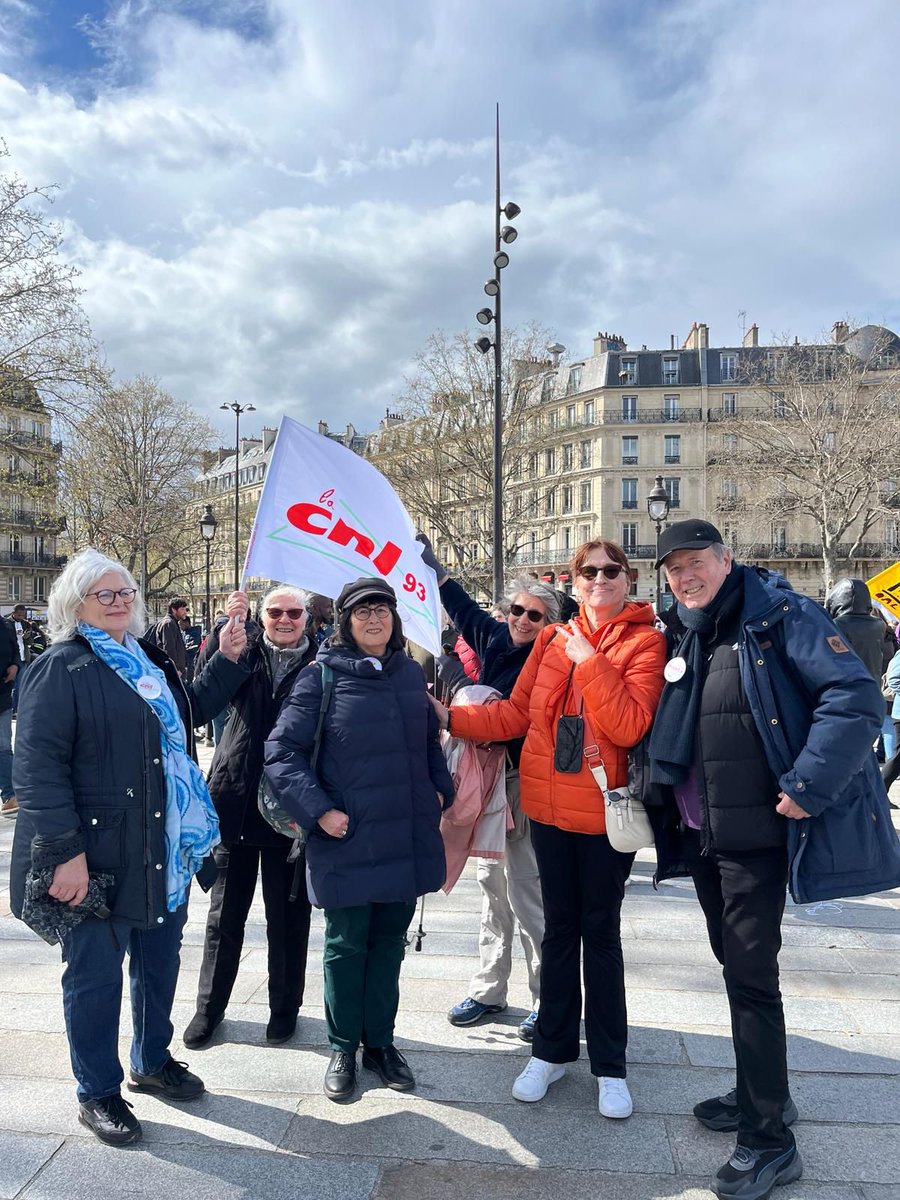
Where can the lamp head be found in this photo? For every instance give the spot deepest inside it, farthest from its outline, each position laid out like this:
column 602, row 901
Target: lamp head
column 510, row 210
column 508, row 233
column 483, row 344
column 208, row 524
column 492, row 287
column 484, row 316
column 501, row 260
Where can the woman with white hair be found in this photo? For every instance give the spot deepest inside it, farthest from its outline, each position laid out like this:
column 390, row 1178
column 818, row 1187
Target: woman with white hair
column 279, row 647
column 108, row 786
column 510, row 887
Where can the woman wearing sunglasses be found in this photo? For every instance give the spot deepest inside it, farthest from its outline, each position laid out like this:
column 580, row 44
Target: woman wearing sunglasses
column 107, row 785
column 510, row 887
column 279, row 648
column 598, row 678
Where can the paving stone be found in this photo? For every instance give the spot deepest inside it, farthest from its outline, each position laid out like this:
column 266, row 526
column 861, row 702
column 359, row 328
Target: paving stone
column 869, row 962
column 449, row 1181
column 840, row 1053
column 90, row 1171
column 405, row 1126
column 846, row 985
column 21, row 1157
column 874, row 1016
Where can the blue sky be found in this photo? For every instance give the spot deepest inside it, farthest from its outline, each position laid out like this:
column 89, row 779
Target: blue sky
column 278, row 201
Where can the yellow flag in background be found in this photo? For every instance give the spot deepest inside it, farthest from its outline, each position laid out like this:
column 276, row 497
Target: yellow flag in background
column 884, row 588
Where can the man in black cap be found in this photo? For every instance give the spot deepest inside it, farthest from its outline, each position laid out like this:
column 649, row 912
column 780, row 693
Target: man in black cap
column 762, row 751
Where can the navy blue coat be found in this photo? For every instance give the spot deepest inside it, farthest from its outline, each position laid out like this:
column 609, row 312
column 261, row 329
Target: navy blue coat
column 380, row 762
column 818, row 711
column 501, row 659
column 88, row 769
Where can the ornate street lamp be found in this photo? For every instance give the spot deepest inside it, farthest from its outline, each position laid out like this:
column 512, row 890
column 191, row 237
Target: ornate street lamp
column 208, row 526
column 658, row 508
column 237, row 409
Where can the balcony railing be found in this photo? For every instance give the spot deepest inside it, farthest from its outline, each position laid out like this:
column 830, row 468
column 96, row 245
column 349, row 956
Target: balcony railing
column 649, row 416
column 26, row 558
column 555, row 558
column 31, row 441
column 15, row 517
column 765, row 552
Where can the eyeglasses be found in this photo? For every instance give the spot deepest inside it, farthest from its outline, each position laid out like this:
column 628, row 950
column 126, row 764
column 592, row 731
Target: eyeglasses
column 363, row 612
column 107, row 597
column 610, row 571
column 293, row 613
column 533, row 614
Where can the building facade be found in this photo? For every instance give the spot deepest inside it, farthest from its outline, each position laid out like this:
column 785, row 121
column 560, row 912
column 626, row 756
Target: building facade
column 591, row 436
column 30, row 521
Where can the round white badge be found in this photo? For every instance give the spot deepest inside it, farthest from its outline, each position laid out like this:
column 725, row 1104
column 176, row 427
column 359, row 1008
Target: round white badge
column 674, row 670
column 149, row 687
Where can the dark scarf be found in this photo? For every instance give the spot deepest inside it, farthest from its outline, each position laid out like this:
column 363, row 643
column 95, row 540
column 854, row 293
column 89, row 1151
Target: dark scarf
column 673, row 737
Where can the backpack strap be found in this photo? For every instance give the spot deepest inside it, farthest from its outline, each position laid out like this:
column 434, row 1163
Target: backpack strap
column 327, row 689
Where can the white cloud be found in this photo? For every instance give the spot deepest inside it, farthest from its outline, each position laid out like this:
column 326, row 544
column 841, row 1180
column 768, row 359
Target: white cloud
column 280, row 206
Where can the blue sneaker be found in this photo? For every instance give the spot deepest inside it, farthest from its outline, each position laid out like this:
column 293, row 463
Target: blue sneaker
column 526, row 1029
column 470, row 1012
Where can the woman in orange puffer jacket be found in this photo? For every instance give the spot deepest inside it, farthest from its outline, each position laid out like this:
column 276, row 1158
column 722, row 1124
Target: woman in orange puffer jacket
column 607, row 664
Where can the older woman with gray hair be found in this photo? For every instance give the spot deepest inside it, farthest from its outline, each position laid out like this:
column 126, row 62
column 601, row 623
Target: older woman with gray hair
column 510, row 887
column 108, row 786
column 280, row 646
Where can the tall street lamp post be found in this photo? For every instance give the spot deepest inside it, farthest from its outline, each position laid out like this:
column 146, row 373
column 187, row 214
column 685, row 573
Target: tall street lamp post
column 237, row 409
column 658, row 508
column 507, row 234
column 208, row 526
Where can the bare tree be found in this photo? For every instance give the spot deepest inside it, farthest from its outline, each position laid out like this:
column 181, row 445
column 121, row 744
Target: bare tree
column 821, row 450
column 438, row 451
column 45, row 336
column 128, row 466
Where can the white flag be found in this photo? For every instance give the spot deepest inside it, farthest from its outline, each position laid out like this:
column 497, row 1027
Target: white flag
column 327, row 517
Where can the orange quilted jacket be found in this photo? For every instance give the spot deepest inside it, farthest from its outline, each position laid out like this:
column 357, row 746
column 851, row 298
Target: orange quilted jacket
column 621, row 686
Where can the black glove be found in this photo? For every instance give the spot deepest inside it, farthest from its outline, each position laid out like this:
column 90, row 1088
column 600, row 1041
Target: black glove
column 430, row 558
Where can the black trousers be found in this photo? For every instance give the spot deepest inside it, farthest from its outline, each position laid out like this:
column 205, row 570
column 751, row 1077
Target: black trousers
column 583, row 885
column 742, row 896
column 287, row 927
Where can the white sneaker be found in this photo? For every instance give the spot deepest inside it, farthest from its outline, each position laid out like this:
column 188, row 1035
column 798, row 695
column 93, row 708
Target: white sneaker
column 532, row 1084
column 615, row 1098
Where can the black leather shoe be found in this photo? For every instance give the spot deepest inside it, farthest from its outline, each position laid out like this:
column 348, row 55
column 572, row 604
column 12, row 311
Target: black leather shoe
column 200, row 1029
column 389, row 1063
column 280, row 1027
column 111, row 1120
column 173, row 1082
column 340, row 1078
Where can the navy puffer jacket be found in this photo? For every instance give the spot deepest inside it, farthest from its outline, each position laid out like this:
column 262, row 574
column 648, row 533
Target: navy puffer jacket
column 380, row 762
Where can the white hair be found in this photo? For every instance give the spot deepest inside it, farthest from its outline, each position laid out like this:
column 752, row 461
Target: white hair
column 70, row 588
column 525, row 585
column 286, row 589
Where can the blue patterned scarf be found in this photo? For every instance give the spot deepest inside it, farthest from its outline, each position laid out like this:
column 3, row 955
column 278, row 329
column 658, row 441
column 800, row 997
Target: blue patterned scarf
column 192, row 827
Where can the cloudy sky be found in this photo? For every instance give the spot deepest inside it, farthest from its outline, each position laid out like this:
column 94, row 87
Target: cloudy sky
column 276, row 201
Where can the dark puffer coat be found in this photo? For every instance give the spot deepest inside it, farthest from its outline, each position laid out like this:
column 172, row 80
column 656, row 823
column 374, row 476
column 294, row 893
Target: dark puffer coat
column 88, row 769
column 238, row 762
column 381, row 763
column 850, row 607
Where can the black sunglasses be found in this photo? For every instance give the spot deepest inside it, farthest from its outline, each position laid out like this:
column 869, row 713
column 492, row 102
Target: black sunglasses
column 610, row 571
column 533, row 614
column 294, row 613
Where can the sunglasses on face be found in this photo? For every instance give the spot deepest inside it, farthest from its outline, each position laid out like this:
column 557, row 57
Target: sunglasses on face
column 611, row 571
column 533, row 614
column 381, row 611
column 294, row 613
column 107, row 597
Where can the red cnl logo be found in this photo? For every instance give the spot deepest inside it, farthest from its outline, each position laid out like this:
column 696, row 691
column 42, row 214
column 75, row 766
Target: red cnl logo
column 301, row 516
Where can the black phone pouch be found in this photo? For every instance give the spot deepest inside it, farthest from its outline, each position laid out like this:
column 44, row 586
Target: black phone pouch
column 569, row 751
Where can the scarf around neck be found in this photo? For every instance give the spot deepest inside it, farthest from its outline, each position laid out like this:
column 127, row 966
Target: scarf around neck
column 191, row 825
column 673, row 736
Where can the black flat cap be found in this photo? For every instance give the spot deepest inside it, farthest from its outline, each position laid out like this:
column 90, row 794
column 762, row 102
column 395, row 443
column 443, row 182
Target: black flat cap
column 365, row 589
column 687, row 535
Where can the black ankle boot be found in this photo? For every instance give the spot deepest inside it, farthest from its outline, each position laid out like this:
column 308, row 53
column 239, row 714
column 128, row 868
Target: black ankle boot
column 340, row 1078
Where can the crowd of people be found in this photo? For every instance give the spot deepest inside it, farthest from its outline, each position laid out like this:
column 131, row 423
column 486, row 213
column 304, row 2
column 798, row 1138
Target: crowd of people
column 739, row 725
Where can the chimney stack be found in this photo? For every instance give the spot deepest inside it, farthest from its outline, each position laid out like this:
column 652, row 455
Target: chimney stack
column 751, row 337
column 840, row 331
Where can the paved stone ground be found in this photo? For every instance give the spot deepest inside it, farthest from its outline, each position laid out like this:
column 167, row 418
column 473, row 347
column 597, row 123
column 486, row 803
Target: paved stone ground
column 265, row 1131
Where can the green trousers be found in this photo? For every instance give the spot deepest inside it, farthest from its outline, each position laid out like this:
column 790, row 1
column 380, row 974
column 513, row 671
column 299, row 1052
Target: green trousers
column 363, row 952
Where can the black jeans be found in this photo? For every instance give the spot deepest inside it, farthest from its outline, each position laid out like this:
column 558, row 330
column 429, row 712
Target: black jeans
column 287, row 927
column 583, row 884
column 742, row 896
